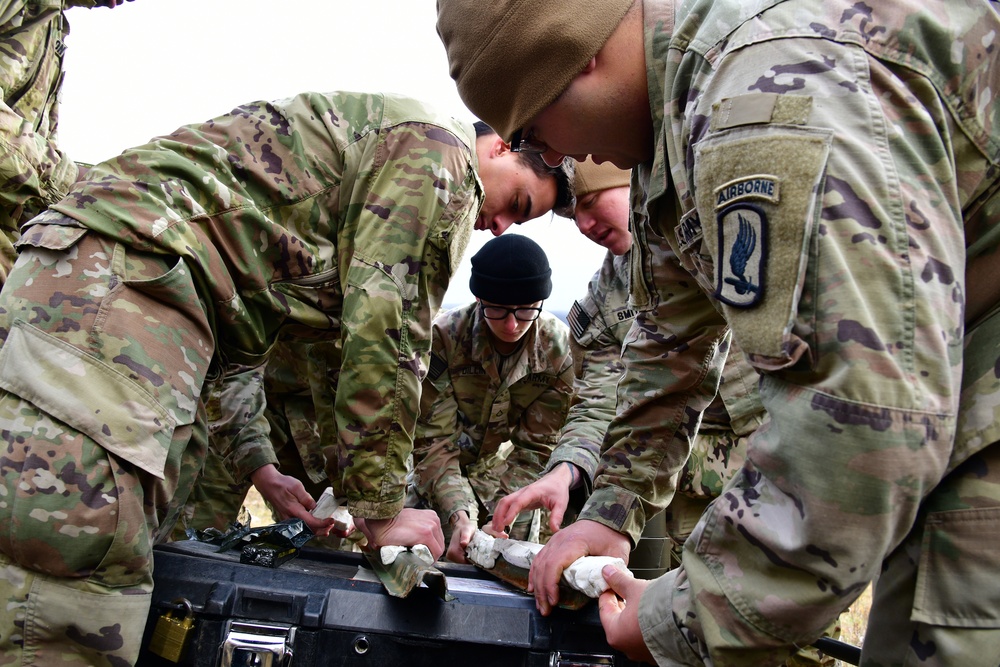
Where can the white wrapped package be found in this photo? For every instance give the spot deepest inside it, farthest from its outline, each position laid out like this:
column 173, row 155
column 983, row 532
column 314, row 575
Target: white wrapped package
column 325, row 505
column 388, row 555
column 480, row 550
column 517, row 552
column 584, row 574
column 329, row 507
column 343, row 521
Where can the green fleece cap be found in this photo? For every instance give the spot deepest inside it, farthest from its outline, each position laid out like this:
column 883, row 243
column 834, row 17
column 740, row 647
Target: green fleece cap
column 512, row 58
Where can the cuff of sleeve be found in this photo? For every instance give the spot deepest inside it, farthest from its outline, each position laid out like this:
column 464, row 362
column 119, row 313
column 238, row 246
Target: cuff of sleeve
column 64, row 176
column 586, row 481
column 660, row 632
column 241, row 464
column 617, row 509
column 374, row 509
column 471, row 513
column 579, row 455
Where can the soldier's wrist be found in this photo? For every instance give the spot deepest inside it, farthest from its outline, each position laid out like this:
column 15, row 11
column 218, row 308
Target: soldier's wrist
column 575, row 478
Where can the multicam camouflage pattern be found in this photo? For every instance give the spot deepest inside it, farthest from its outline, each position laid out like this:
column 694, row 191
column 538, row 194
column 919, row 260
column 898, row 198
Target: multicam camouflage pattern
column 876, row 127
column 237, row 423
column 79, row 519
column 719, row 449
column 290, row 385
column 33, row 171
column 481, row 436
column 598, row 322
column 283, row 216
column 290, row 416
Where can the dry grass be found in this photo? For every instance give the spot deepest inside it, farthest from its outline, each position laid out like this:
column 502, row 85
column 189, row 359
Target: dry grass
column 259, row 513
column 852, row 622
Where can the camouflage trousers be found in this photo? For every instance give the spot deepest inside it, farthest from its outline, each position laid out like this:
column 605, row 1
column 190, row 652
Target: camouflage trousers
column 104, row 358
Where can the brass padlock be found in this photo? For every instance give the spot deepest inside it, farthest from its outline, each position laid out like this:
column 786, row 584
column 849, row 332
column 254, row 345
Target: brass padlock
column 170, row 636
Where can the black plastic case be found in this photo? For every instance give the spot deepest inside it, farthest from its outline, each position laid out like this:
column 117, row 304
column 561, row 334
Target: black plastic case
column 327, row 608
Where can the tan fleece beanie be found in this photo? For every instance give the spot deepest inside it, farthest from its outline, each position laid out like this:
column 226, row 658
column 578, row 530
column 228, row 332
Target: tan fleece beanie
column 512, row 58
column 593, row 177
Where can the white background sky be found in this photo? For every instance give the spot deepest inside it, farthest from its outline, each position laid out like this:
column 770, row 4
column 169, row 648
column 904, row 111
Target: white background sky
column 149, row 66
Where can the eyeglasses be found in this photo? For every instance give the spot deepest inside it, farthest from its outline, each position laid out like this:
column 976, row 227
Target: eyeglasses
column 501, row 313
column 519, row 143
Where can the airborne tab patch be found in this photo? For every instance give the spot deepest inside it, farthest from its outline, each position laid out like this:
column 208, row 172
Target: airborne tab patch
column 743, row 255
column 760, row 186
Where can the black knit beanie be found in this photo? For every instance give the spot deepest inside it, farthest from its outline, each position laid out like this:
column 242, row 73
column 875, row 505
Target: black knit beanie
column 511, row 270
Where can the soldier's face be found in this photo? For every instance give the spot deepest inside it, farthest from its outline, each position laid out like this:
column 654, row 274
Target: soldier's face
column 509, row 329
column 514, row 192
column 602, row 217
column 603, row 112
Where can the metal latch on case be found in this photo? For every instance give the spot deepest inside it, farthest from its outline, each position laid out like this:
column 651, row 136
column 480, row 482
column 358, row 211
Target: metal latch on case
column 257, row 644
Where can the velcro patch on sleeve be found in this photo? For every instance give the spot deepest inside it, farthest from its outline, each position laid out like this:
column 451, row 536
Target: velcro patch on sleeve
column 579, row 320
column 757, row 225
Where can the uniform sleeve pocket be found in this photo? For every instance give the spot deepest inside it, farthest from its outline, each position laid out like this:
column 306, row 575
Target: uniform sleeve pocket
column 87, row 395
column 959, row 561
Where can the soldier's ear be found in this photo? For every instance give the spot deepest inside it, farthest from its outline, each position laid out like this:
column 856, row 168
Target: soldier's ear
column 499, row 147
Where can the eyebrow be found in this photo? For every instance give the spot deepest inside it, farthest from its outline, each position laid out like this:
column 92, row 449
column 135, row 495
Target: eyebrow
column 527, row 209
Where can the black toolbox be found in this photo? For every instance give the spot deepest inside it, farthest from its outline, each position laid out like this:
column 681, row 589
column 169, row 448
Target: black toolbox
column 328, row 608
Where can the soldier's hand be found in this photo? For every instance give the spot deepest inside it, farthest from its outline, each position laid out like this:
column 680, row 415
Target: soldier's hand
column 619, row 607
column 550, row 491
column 411, row 526
column 288, row 497
column 462, row 531
column 582, row 538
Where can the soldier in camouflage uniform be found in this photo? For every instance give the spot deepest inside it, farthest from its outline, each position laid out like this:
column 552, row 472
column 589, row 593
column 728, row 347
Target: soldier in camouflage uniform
column 600, row 322
column 170, row 274
column 825, row 177
column 286, row 423
column 300, row 379
column 34, row 172
column 497, row 394
column 284, row 418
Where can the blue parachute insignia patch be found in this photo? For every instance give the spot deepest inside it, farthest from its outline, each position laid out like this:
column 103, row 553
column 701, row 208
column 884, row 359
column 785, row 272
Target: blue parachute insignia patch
column 743, row 255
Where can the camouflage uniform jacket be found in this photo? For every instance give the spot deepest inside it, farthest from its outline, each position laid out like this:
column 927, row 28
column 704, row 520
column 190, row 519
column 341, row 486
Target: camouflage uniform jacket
column 468, row 412
column 33, row 171
column 600, row 323
column 826, row 176
column 322, row 216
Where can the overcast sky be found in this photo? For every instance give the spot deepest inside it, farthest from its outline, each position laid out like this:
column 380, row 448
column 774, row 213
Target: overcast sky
column 149, row 66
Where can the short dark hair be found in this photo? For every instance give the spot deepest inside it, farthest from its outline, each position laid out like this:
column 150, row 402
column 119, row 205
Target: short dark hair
column 564, row 174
